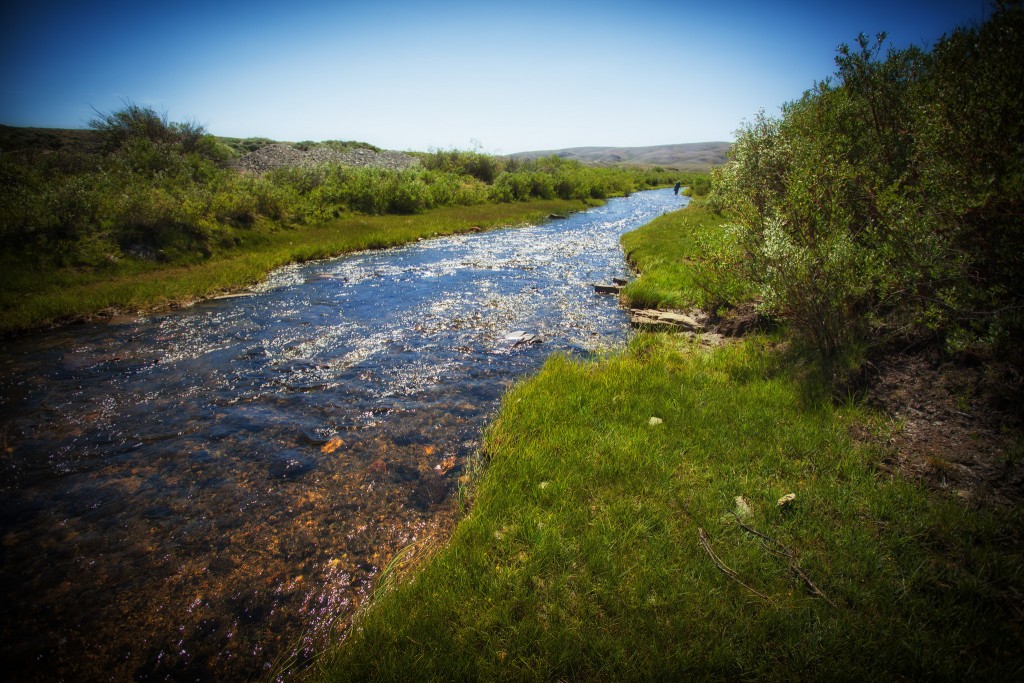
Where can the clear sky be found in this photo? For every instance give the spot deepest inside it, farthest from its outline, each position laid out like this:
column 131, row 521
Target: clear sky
column 504, row 76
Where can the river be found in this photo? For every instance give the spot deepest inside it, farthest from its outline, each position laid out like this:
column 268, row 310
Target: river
column 206, row 494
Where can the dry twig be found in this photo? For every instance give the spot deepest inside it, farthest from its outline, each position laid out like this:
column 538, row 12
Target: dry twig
column 782, row 551
column 705, row 543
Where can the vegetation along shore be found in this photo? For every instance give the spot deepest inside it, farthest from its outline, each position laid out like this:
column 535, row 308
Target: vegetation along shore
column 140, row 213
column 835, row 496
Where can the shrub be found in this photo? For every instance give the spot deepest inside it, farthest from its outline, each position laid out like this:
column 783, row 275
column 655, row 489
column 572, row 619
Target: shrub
column 891, row 201
column 483, row 167
column 134, row 123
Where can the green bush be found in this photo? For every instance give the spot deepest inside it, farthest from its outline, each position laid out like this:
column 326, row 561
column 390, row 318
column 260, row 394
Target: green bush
column 134, row 123
column 159, row 189
column 483, row 167
column 888, row 202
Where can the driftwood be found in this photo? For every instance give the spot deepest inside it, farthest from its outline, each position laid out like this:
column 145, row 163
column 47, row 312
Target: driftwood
column 670, row 320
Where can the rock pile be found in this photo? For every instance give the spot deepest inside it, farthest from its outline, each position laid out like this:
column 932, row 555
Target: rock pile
column 281, row 155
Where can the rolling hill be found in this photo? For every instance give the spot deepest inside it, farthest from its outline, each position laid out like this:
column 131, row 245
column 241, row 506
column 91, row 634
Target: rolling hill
column 691, row 156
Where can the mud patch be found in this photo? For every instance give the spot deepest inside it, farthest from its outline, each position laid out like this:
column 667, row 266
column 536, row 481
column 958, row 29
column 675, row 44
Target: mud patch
column 959, row 427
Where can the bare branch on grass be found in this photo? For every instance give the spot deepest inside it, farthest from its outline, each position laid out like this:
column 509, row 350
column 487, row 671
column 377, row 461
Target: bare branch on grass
column 779, row 550
column 705, row 543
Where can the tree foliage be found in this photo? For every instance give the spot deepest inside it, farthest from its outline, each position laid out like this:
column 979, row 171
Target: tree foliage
column 887, row 201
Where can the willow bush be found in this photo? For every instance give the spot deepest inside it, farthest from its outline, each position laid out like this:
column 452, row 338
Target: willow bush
column 887, row 201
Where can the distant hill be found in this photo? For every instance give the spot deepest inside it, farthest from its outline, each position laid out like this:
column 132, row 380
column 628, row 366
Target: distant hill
column 691, row 156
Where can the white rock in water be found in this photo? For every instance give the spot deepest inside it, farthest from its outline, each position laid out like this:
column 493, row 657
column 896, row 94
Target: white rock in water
column 520, row 337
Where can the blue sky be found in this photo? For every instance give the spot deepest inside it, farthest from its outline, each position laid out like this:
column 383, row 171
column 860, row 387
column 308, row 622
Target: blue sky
column 507, row 77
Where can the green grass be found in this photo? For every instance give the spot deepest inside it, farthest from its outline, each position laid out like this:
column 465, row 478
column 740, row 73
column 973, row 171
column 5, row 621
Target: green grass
column 678, row 256
column 581, row 558
column 31, row 297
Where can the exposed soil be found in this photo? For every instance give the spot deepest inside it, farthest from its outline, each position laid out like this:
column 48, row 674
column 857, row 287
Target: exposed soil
column 960, row 425
column 742, row 320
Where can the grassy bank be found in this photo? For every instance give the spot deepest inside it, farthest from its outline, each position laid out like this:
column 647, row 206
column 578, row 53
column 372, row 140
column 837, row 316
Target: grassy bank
column 684, row 257
column 32, row 297
column 602, row 544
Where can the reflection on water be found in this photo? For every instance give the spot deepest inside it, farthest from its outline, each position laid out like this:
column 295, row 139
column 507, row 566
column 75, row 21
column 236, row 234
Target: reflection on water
column 202, row 494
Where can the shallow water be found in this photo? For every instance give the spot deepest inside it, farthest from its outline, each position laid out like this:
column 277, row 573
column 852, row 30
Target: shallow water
column 202, row 494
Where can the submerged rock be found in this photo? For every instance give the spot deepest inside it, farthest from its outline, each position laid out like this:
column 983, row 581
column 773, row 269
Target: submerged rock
column 607, row 289
column 401, row 473
column 289, row 465
column 520, row 337
column 430, row 490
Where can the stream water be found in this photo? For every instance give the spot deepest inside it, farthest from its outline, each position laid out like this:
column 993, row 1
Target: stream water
column 205, row 493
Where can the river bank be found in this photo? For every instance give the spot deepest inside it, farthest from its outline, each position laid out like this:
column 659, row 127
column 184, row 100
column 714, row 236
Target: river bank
column 674, row 512
column 140, row 286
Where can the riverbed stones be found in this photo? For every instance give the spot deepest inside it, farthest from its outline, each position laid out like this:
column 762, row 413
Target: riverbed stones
column 429, row 490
